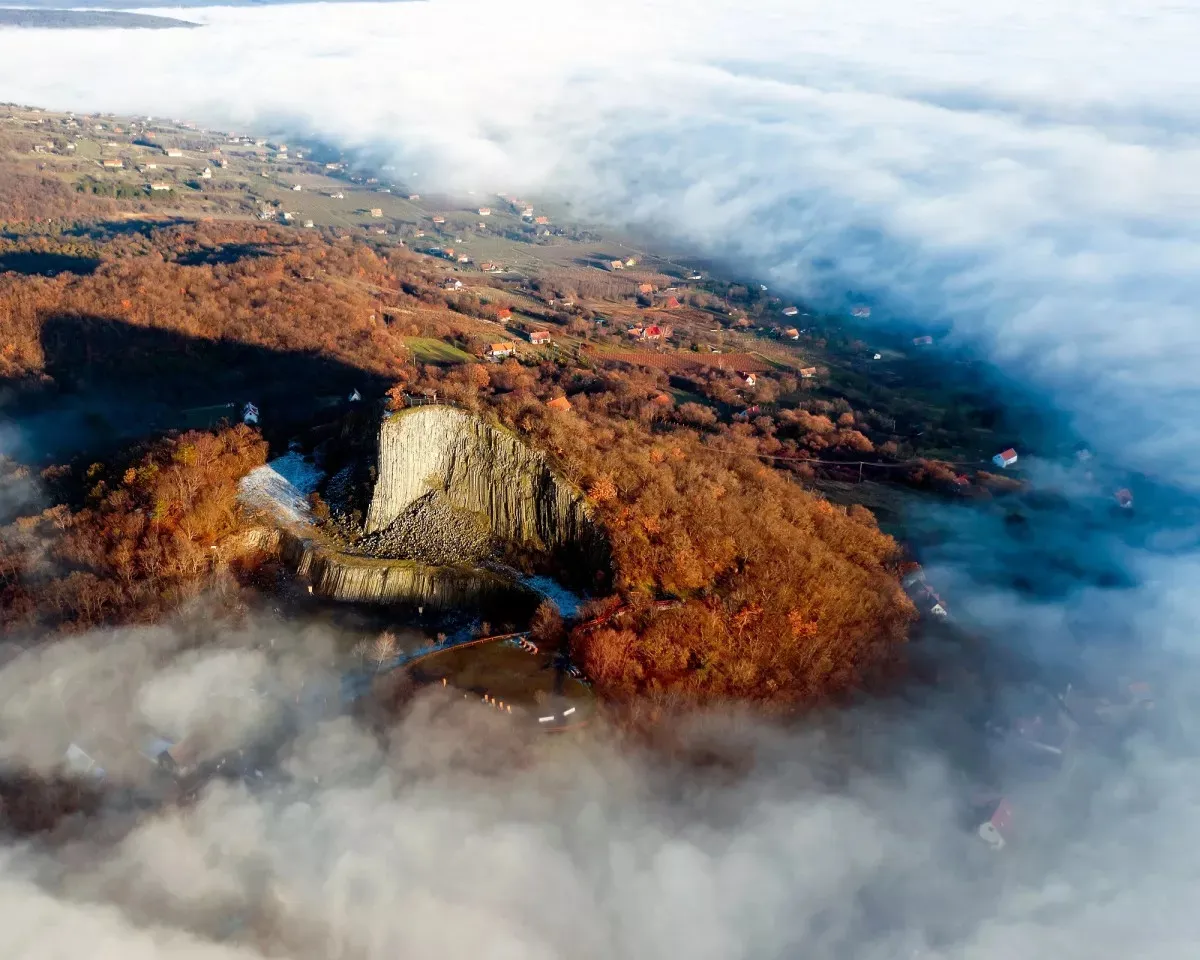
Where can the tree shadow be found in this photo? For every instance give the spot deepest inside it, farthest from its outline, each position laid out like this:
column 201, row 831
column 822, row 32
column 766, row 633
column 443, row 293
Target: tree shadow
column 110, row 229
column 111, row 383
column 224, row 254
column 36, row 264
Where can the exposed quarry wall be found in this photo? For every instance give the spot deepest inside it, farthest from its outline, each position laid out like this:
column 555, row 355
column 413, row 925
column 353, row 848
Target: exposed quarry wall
column 338, row 576
column 488, row 472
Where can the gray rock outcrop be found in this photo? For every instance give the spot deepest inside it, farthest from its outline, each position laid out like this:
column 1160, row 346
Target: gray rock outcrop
column 480, row 471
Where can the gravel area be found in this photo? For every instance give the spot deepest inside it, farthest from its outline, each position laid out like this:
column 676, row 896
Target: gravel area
column 431, row 530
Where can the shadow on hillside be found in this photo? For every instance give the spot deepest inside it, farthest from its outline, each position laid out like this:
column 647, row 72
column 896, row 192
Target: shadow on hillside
column 34, row 264
column 113, row 383
column 226, row 253
column 109, row 229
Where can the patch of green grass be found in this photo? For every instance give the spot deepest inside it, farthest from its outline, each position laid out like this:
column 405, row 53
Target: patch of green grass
column 432, row 350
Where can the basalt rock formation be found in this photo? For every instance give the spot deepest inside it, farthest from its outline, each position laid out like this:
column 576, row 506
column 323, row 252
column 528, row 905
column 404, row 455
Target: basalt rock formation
column 501, row 488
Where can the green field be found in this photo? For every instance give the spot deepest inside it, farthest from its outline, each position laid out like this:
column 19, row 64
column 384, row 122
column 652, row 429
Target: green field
column 432, row 350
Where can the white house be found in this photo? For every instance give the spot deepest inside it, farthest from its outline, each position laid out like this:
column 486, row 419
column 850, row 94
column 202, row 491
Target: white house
column 790, row 311
column 206, row 174
column 355, row 396
column 250, row 414
column 1005, row 458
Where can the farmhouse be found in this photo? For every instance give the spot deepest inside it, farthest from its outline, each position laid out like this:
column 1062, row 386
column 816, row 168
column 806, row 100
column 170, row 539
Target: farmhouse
column 501, row 350
column 113, row 164
column 156, row 187
column 206, row 174
column 749, row 379
column 922, row 341
column 1005, row 458
column 451, row 284
column 377, row 211
column 541, row 221
column 616, row 264
column 561, row 404
column 539, row 336
column 792, row 333
column 790, row 311
column 505, row 313
column 861, row 312
column 655, row 332
column 807, row 373
column 485, row 211
column 172, row 152
column 646, row 288
column 439, row 220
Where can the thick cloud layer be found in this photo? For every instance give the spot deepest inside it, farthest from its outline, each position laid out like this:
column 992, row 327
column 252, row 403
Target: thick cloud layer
column 456, row 835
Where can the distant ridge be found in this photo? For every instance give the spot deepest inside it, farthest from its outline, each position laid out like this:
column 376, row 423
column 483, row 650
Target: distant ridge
column 83, row 19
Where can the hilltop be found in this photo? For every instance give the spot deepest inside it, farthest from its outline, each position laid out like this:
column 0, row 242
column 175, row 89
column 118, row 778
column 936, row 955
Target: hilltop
column 156, row 276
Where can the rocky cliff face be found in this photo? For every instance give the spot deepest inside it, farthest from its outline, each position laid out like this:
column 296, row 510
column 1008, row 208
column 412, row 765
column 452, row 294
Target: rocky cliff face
column 489, row 473
column 352, row 579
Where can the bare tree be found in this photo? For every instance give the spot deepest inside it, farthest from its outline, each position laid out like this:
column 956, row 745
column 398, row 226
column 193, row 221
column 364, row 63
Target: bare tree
column 383, row 649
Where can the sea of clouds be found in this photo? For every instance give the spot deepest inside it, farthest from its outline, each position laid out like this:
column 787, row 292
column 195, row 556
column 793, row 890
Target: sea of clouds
column 1022, row 170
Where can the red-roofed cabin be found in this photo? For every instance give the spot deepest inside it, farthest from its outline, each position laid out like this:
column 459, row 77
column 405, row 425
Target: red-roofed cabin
column 662, row 400
column 1005, row 458
column 539, row 336
column 562, row 404
column 505, row 314
column 655, row 332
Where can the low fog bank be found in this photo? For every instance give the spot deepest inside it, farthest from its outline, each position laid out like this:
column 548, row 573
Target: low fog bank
column 455, row 834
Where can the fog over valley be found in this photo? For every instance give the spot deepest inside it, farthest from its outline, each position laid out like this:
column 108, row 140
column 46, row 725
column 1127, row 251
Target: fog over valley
column 1016, row 179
